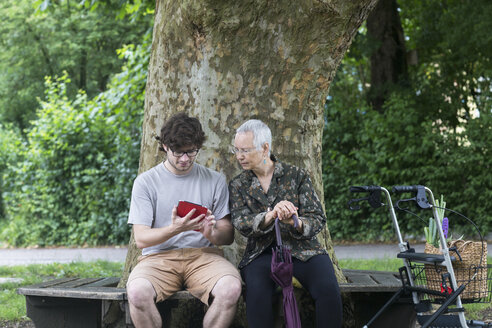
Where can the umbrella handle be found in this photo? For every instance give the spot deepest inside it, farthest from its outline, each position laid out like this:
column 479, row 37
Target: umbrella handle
column 277, row 228
column 277, row 232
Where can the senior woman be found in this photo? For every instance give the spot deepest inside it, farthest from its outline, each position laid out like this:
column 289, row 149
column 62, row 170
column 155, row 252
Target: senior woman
column 265, row 190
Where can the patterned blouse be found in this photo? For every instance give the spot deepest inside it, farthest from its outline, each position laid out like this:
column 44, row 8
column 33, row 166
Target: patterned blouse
column 249, row 204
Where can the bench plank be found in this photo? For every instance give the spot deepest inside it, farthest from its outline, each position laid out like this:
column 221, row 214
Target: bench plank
column 77, row 283
column 104, row 293
column 105, row 282
column 361, row 279
column 387, row 280
column 50, row 283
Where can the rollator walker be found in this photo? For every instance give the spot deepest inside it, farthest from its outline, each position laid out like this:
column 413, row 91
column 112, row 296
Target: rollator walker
column 430, row 278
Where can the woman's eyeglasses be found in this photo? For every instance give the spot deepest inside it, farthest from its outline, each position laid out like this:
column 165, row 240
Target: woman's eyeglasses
column 244, row 151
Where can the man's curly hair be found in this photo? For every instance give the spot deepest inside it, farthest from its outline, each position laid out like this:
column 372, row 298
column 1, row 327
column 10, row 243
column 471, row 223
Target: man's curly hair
column 181, row 131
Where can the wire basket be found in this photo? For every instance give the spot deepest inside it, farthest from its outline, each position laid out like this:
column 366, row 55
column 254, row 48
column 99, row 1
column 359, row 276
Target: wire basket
column 434, row 279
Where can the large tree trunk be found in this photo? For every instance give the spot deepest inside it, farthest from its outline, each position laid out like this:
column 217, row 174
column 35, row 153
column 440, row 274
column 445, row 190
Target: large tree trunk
column 228, row 61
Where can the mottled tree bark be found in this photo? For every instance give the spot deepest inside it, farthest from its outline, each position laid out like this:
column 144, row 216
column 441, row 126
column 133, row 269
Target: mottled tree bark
column 228, row 61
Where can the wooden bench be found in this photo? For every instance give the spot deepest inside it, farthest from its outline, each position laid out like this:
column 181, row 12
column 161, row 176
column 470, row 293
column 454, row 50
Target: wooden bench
column 73, row 302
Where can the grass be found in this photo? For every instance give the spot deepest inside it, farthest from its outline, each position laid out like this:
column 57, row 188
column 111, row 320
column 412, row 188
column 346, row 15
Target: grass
column 378, row 264
column 13, row 306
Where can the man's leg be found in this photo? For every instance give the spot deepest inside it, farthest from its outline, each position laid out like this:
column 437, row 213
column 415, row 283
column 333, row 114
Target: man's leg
column 141, row 298
column 225, row 295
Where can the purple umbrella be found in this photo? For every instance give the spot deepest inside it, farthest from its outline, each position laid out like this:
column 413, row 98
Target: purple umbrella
column 282, row 272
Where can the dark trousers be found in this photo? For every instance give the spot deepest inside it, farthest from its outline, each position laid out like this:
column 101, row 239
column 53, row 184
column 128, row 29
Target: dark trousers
column 316, row 275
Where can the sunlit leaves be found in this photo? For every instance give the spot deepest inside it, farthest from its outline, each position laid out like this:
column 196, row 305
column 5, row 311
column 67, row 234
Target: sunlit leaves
column 73, row 183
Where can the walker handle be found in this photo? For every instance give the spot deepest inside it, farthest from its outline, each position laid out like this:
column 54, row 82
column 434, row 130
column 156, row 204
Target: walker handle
column 402, row 189
column 364, row 188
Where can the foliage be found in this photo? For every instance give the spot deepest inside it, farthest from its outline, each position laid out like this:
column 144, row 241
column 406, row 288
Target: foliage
column 79, row 160
column 435, row 132
column 136, row 9
column 13, row 305
column 10, row 143
column 69, row 37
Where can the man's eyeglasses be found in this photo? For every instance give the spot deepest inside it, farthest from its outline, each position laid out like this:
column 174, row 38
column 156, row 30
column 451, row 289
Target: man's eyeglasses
column 244, row 151
column 190, row 153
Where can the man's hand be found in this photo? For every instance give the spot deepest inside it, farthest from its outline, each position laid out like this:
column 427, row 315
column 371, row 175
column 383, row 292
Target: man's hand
column 218, row 232
column 181, row 224
column 146, row 236
column 208, row 226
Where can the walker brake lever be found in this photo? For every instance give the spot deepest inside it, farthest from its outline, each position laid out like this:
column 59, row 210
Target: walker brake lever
column 397, row 204
column 420, row 198
column 374, row 197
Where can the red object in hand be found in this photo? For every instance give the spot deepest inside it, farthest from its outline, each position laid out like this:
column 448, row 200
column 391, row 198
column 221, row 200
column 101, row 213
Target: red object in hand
column 185, row 207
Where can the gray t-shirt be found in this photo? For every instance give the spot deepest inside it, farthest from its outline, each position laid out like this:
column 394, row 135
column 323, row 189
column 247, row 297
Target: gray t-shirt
column 156, row 191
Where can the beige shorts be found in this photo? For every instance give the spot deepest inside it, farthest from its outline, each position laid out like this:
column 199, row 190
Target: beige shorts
column 196, row 270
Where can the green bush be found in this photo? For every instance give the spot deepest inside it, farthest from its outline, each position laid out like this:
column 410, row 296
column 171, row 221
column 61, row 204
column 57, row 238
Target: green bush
column 73, row 184
column 403, row 146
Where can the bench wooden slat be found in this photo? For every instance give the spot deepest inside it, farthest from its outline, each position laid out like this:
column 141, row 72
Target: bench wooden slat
column 105, row 282
column 105, row 293
column 361, row 279
column 387, row 279
column 359, row 288
column 50, row 283
column 77, row 283
column 354, row 271
column 181, row 295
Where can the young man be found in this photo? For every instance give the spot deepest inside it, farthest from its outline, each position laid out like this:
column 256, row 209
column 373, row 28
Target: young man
column 178, row 252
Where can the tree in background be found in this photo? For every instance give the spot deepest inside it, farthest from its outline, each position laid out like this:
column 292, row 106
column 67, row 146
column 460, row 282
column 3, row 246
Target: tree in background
column 388, row 54
column 71, row 181
column 72, row 170
column 433, row 128
column 65, row 36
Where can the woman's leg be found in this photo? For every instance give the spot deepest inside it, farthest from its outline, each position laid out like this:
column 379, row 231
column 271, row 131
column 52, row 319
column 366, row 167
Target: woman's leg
column 318, row 277
column 259, row 291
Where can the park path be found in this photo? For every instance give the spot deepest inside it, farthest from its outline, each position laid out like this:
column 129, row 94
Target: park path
column 23, row 256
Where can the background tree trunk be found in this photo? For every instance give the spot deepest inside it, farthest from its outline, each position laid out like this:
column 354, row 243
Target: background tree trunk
column 226, row 62
column 388, row 58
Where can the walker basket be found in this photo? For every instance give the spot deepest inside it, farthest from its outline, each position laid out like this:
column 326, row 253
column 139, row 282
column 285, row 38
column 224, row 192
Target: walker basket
column 478, row 282
column 470, row 269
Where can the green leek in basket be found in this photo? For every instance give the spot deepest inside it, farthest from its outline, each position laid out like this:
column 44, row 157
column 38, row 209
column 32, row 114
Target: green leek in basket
column 431, row 235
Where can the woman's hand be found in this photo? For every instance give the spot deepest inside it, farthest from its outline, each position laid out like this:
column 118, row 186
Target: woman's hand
column 285, row 210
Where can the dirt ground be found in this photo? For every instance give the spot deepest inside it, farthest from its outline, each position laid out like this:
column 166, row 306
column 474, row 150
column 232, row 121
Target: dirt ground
column 16, row 324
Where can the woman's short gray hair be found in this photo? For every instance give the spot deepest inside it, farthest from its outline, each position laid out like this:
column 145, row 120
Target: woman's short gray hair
column 261, row 133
